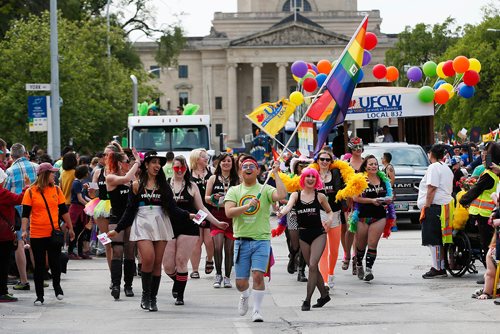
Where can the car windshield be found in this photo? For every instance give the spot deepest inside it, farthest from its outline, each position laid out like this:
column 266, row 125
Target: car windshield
column 170, row 138
column 401, row 155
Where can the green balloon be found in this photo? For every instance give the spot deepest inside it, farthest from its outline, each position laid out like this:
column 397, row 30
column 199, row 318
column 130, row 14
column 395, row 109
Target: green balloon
column 426, row 94
column 429, row 69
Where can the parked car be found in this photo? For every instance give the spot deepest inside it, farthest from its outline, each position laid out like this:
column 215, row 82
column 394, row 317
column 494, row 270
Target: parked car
column 410, row 163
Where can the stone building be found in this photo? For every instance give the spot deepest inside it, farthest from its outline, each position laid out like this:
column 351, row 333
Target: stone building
column 245, row 59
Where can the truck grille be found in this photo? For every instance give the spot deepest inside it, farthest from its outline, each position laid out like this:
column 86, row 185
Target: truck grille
column 406, row 186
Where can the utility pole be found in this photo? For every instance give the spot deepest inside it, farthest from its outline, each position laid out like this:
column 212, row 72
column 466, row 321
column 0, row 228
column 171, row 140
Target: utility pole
column 54, row 140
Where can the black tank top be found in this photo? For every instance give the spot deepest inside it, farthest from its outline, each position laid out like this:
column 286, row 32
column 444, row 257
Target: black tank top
column 331, row 188
column 308, row 214
column 101, row 184
column 184, row 199
column 118, row 198
column 150, row 198
column 371, row 210
column 202, row 183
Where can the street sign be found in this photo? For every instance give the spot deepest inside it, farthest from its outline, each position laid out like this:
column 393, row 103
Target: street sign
column 38, row 87
column 38, row 106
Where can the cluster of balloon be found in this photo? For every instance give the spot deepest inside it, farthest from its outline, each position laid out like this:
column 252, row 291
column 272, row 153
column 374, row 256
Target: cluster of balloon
column 461, row 68
column 380, row 71
column 310, row 77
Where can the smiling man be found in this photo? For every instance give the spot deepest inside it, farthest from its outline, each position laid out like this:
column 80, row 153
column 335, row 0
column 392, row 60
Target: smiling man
column 250, row 214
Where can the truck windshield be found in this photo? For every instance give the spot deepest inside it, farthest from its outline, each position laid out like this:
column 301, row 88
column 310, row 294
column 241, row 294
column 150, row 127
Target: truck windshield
column 170, row 138
column 401, row 156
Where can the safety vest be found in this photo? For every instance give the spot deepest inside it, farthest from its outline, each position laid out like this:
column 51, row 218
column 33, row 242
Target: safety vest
column 484, row 205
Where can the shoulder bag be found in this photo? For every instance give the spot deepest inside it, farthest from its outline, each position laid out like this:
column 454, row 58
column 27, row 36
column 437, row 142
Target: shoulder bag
column 57, row 236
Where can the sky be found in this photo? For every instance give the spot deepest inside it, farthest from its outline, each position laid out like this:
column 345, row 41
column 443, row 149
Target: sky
column 396, row 14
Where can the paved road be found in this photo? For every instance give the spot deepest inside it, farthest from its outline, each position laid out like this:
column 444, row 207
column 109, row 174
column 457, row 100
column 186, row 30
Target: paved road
column 397, row 301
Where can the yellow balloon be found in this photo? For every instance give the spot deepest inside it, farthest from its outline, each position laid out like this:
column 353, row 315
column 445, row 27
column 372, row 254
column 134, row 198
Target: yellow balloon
column 439, row 70
column 449, row 88
column 297, row 98
column 296, row 78
column 474, row 65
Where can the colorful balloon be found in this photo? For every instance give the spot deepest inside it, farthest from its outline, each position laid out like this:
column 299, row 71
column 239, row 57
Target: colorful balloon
column 320, row 79
column 429, row 69
column 359, row 76
column 474, row 65
column 438, row 83
column 314, row 68
column 449, row 88
column 370, row 41
column 426, row 94
column 296, row 78
column 312, row 72
column 471, row 78
column 310, row 84
column 297, row 98
column 439, row 70
column 379, row 71
column 460, row 64
column 448, row 68
column 367, row 58
column 392, row 74
column 441, row 96
column 466, row 91
column 414, row 73
column 299, row 68
column 324, row 66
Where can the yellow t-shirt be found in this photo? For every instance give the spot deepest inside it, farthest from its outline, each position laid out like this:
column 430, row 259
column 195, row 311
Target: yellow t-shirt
column 67, row 178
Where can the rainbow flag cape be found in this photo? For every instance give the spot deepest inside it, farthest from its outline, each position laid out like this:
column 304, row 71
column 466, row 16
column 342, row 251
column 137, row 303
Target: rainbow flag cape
column 272, row 117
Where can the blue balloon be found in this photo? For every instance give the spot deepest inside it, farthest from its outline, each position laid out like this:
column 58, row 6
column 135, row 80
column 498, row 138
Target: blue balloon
column 320, row 79
column 438, row 83
column 466, row 91
column 360, row 76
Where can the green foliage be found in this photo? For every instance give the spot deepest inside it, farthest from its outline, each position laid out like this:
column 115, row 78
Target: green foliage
column 169, row 47
column 483, row 109
column 422, row 43
column 97, row 92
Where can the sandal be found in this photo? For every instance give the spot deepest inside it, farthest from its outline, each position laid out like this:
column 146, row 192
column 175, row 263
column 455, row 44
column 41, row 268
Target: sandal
column 209, row 267
column 484, row 296
column 195, row 274
column 345, row 264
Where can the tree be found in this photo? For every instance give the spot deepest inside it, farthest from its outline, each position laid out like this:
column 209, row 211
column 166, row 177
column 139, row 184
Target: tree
column 483, row 109
column 422, row 43
column 96, row 93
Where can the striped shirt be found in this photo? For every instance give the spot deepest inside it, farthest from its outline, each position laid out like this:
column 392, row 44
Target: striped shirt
column 15, row 176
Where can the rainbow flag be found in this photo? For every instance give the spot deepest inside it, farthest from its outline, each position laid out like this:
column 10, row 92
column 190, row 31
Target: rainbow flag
column 342, row 79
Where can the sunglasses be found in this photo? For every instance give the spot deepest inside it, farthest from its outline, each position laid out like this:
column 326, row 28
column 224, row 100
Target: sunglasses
column 325, row 159
column 357, row 148
column 248, row 167
column 181, row 169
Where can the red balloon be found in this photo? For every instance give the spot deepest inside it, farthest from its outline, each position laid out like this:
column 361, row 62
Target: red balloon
column 448, row 68
column 370, row 41
column 379, row 71
column 471, row 78
column 310, row 84
column 441, row 96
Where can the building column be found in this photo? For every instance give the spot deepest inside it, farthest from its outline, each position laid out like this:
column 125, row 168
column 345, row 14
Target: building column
column 207, row 83
column 232, row 103
column 282, row 91
column 257, row 83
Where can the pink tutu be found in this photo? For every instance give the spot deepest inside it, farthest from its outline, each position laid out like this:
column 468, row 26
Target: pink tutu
column 90, row 206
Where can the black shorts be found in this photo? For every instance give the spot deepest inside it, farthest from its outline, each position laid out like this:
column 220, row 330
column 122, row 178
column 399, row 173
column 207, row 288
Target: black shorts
column 431, row 227
column 186, row 228
column 308, row 235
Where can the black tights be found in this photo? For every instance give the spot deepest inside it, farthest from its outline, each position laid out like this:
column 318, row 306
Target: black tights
column 220, row 241
column 485, row 232
column 312, row 254
column 5, row 253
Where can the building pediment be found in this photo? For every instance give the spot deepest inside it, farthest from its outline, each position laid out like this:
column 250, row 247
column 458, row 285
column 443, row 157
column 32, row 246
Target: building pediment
column 292, row 33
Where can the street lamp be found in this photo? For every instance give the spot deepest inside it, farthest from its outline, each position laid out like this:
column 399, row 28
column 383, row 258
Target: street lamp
column 134, row 93
column 493, row 30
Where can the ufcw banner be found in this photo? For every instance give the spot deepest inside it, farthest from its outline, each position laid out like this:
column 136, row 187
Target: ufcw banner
column 272, row 117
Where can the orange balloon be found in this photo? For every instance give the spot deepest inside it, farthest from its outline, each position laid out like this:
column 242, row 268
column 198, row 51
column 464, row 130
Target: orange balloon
column 324, row 66
column 312, row 72
column 392, row 74
column 461, row 64
column 441, row 96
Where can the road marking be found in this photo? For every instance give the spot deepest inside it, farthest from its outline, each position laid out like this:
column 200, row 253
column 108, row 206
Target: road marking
column 242, row 327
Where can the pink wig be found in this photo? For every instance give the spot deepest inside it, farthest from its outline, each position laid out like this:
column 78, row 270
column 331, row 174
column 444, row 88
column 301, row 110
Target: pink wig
column 311, row 171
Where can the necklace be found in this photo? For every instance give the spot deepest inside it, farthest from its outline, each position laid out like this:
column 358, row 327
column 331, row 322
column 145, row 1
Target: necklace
column 150, row 197
column 177, row 196
column 226, row 181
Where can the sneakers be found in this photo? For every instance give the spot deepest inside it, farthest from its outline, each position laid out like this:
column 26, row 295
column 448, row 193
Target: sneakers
column 8, row 298
column 22, row 286
column 354, row 267
column 322, row 301
column 218, row 281
column 331, row 282
column 243, row 305
column 38, row 301
column 59, row 293
column 257, row 317
column 360, row 272
column 368, row 274
column 227, row 282
column 306, row 306
column 434, row 273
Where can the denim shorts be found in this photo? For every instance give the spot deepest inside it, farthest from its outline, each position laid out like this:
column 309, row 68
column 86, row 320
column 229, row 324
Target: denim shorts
column 250, row 255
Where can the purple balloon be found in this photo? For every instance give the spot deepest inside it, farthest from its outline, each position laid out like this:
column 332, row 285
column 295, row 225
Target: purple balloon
column 315, row 69
column 299, row 68
column 367, row 58
column 414, row 73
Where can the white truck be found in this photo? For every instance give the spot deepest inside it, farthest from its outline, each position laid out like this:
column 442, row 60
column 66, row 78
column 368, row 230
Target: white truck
column 179, row 134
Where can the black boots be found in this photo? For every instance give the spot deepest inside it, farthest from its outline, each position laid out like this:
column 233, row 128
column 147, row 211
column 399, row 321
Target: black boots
column 155, row 285
column 181, row 280
column 128, row 276
column 146, row 290
column 116, row 278
column 301, row 276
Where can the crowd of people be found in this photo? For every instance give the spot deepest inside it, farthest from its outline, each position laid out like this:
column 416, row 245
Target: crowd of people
column 150, row 207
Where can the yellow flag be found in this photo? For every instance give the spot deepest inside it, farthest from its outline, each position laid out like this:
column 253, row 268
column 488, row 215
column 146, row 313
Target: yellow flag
column 272, row 117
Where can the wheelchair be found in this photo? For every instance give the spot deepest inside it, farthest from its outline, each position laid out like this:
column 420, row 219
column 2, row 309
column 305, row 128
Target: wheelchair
column 461, row 255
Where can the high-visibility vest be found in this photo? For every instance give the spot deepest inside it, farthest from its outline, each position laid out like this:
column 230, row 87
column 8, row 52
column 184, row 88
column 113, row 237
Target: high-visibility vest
column 484, row 205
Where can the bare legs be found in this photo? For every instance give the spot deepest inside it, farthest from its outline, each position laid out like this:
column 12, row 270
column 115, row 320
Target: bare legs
column 205, row 238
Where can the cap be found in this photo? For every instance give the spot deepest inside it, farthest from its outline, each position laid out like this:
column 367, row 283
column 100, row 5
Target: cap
column 44, row 167
column 455, row 160
column 153, row 154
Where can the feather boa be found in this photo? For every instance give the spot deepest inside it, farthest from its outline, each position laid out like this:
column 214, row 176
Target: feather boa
column 291, row 182
column 390, row 213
